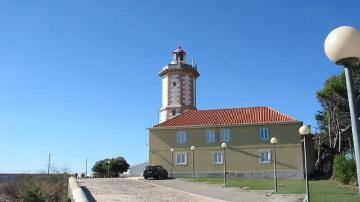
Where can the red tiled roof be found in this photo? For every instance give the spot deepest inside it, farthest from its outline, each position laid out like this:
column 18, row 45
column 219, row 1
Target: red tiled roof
column 234, row 116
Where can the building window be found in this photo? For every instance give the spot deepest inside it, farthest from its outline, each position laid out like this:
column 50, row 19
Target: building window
column 181, row 158
column 174, row 83
column 264, row 133
column 181, row 137
column 210, row 136
column 217, row 157
column 173, row 112
column 225, row 135
column 265, row 156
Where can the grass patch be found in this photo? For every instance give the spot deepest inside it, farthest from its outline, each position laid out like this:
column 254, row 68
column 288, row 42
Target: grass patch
column 320, row 190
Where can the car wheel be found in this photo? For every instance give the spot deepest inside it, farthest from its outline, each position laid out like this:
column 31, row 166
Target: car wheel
column 145, row 178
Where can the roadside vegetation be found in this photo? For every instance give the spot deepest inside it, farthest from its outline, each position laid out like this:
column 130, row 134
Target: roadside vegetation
column 35, row 187
column 113, row 167
column 320, row 190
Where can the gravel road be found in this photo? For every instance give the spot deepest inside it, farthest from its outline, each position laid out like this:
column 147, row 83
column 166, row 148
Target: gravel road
column 137, row 189
column 122, row 189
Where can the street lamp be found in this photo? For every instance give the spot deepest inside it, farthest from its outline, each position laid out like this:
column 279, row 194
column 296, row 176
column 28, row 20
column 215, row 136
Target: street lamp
column 172, row 161
column 342, row 47
column 274, row 141
column 108, row 168
column 305, row 131
column 224, row 146
column 193, row 164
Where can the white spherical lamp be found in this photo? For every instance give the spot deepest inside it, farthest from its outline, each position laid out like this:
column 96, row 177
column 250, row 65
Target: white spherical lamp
column 274, row 140
column 342, row 43
column 305, row 130
column 223, row 145
column 192, row 148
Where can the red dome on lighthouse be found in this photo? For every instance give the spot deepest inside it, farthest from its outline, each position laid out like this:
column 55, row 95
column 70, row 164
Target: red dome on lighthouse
column 178, row 55
column 179, row 50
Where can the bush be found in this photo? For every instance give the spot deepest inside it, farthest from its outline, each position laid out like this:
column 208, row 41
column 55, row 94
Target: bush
column 32, row 194
column 36, row 188
column 344, row 170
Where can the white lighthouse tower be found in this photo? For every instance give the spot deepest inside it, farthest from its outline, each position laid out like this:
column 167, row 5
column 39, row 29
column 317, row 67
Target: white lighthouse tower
column 178, row 86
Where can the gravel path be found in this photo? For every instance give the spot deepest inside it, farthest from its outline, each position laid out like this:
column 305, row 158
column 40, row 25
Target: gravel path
column 127, row 190
column 138, row 189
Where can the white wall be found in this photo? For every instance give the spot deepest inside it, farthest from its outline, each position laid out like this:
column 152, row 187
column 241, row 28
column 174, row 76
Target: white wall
column 164, row 101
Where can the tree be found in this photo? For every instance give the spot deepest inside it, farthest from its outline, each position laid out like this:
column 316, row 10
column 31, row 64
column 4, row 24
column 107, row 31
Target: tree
column 333, row 119
column 115, row 167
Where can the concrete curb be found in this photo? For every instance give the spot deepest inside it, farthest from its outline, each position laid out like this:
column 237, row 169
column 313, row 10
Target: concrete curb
column 75, row 193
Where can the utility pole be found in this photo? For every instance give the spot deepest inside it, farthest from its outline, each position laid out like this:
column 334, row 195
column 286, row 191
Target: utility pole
column 86, row 167
column 49, row 165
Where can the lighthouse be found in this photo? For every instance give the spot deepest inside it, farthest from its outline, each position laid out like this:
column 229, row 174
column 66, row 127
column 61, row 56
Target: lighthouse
column 178, row 86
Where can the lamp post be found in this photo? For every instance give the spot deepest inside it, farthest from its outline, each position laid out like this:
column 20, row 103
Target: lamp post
column 305, row 131
column 224, row 146
column 193, row 160
column 108, row 168
column 274, row 141
column 172, row 161
column 342, row 47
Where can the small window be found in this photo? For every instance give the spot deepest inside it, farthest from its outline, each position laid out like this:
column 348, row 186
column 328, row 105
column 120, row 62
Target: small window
column 264, row 133
column 265, row 156
column 217, row 157
column 181, row 137
column 174, row 83
column 210, row 136
column 173, row 112
column 225, row 135
column 181, row 158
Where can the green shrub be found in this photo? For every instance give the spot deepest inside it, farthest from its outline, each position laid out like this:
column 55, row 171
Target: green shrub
column 344, row 170
column 32, row 194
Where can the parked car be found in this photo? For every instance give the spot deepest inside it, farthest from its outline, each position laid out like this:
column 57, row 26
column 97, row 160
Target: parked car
column 156, row 172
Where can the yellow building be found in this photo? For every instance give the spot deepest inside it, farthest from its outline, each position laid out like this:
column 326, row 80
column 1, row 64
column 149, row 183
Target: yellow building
column 247, row 132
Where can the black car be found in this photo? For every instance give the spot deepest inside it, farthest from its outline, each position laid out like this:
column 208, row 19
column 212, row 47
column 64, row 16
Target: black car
column 155, row 172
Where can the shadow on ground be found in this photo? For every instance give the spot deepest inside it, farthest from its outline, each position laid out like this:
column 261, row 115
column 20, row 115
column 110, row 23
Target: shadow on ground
column 88, row 194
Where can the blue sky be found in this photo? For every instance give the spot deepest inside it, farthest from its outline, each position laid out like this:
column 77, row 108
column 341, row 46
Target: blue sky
column 79, row 79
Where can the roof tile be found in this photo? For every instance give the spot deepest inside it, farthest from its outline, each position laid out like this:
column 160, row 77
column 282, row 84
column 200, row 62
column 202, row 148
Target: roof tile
column 233, row 116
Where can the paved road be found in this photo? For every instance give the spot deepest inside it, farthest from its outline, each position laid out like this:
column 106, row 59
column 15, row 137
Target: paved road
column 134, row 189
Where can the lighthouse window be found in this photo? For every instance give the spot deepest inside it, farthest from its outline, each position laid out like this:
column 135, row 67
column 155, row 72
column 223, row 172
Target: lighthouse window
column 174, row 84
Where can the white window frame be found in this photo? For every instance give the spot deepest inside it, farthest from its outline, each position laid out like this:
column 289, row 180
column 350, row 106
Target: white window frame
column 210, row 136
column 265, row 153
column 219, row 156
column 181, row 137
column 264, row 134
column 184, row 158
column 225, row 135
